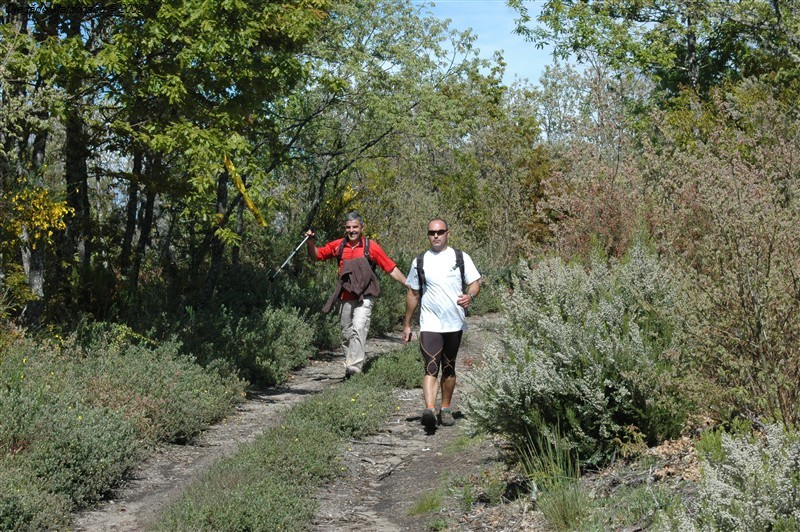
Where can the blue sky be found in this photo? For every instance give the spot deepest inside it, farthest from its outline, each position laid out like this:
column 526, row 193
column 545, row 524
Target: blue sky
column 493, row 22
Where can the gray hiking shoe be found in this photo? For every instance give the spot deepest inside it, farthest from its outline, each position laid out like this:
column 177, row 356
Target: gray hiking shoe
column 429, row 419
column 447, row 417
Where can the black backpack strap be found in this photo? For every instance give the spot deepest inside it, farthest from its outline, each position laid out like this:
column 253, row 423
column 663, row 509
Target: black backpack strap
column 421, row 273
column 460, row 264
column 341, row 250
column 421, row 270
column 366, row 252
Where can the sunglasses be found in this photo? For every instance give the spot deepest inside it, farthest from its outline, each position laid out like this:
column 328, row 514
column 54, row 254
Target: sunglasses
column 436, row 232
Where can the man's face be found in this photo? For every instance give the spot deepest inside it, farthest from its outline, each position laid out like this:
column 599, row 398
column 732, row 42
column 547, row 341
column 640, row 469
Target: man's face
column 352, row 231
column 437, row 235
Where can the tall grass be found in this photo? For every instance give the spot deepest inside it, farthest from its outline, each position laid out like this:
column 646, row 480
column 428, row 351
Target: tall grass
column 553, row 471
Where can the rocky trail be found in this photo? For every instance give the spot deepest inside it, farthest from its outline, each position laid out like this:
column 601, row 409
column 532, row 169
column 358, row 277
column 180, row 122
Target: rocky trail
column 389, row 473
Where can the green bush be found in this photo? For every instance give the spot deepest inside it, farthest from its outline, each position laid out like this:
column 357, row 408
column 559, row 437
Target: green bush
column 387, row 314
column 168, row 395
column 25, row 505
column 350, row 410
column 83, row 451
column 267, row 347
column 753, row 485
column 402, row 368
column 491, row 297
column 78, row 413
column 263, row 349
column 595, row 354
column 269, row 484
column 309, row 297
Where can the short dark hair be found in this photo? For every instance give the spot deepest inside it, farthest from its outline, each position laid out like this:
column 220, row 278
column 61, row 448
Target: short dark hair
column 446, row 225
column 353, row 215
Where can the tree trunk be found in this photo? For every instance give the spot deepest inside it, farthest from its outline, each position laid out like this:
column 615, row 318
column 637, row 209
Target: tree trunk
column 236, row 250
column 33, row 253
column 33, row 264
column 77, row 175
column 692, row 64
column 217, row 246
column 130, row 214
column 145, row 225
column 75, row 243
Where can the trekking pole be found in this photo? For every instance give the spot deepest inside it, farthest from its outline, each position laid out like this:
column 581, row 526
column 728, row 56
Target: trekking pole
column 289, row 258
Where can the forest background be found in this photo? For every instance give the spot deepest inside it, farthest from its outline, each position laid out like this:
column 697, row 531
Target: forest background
column 636, row 219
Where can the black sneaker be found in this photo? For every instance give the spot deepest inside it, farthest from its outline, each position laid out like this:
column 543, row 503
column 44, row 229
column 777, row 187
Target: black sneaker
column 429, row 419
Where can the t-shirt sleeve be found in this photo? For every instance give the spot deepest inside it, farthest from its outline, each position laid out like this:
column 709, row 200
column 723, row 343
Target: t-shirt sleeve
column 471, row 273
column 412, row 281
column 380, row 257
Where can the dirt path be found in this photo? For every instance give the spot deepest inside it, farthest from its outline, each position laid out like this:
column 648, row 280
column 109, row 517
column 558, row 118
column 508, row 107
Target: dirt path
column 388, row 473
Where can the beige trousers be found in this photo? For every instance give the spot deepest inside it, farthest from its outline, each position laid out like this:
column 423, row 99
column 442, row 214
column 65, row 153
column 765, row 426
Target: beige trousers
column 354, row 317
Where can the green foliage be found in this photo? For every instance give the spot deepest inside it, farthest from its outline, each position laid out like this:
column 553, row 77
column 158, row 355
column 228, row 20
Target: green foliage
column 262, row 348
column 173, row 404
column 428, row 502
column 643, row 505
column 87, row 451
column 401, row 368
column 565, row 506
column 710, row 445
column 727, row 214
column 267, row 347
column 307, row 287
column 268, row 485
column 387, row 314
column 491, row 296
column 265, row 486
column 352, row 410
column 554, row 473
column 79, row 416
column 754, row 486
column 24, row 505
column 596, row 355
column 677, row 43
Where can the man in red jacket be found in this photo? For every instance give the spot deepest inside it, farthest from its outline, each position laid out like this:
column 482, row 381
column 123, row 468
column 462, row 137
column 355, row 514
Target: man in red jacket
column 355, row 310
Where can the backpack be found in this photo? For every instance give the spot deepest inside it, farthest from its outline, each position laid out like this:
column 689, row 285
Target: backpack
column 372, row 263
column 421, row 270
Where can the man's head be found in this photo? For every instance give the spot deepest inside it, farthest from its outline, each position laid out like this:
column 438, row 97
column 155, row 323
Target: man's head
column 353, row 226
column 438, row 231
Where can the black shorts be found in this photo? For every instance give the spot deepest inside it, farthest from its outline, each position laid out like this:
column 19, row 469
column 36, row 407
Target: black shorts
column 439, row 351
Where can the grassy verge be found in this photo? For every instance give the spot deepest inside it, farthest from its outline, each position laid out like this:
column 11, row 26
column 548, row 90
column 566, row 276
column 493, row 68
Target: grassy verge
column 77, row 416
column 268, row 484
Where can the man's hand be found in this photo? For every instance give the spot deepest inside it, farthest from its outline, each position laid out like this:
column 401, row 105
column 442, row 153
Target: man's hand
column 464, row 300
column 310, row 245
column 406, row 334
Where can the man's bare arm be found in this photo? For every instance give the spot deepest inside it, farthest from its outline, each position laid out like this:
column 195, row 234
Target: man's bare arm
column 412, row 301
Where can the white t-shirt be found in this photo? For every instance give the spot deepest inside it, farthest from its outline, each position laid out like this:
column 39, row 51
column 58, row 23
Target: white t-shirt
column 439, row 311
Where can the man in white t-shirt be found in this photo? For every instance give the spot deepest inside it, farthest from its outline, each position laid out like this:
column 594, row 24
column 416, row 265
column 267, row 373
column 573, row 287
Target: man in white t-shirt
column 438, row 288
